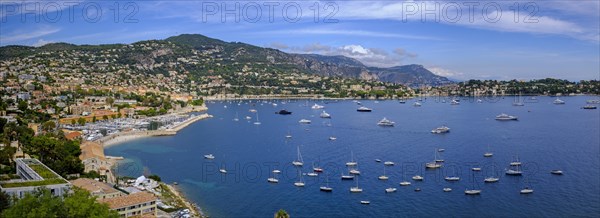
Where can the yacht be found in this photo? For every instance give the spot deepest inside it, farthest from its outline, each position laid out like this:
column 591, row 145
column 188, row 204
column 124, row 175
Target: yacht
column 589, row 107
column 385, row 122
column 248, row 117
column 390, row 190
column 325, row 115
column 405, row 183
column 417, row 178
column 417, row 104
column 304, row 121
column 504, row 116
column 557, row 172
column 355, row 172
column 389, row 163
column 222, row 170
column 252, row 110
column 454, row 102
column 447, row 189
column 377, row 160
column 209, row 156
column 272, row 180
column 276, row 171
column 593, row 101
column 472, row 191
column 491, row 179
column 364, row 109
column 476, row 169
column 283, row 112
column 332, row 138
column 435, row 163
column 452, row 178
column 526, row 190
column 365, row 202
column 441, row 150
column 440, row 130
column 558, row 101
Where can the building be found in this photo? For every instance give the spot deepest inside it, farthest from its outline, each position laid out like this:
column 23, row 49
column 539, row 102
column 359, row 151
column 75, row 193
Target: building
column 34, row 174
column 96, row 188
column 136, row 204
column 92, row 156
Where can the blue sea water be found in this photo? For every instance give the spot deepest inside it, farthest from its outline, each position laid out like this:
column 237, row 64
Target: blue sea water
column 546, row 137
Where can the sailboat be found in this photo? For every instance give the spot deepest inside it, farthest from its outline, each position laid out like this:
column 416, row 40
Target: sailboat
column 347, row 177
column 273, row 179
column 518, row 101
column 473, row 191
column 356, row 189
column 352, row 162
column 236, row 117
column 299, row 183
column 289, row 135
column 299, row 162
column 257, row 122
column 514, row 168
column 317, row 168
column 488, row 153
column 326, row 188
column 435, row 163
column 383, row 177
column 527, row 189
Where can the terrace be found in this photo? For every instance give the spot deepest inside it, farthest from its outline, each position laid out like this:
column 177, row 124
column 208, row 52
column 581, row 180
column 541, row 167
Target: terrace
column 33, row 173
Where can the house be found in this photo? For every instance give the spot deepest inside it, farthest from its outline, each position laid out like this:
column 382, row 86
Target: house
column 92, row 156
column 33, row 175
column 136, row 204
column 98, row 189
column 73, row 135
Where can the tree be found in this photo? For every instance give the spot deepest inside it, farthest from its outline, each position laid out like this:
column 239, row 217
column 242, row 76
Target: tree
column 104, row 117
column 41, row 203
column 48, row 125
column 81, row 121
column 22, row 105
column 154, row 177
column 282, row 214
column 4, row 201
column 110, row 101
column 94, row 119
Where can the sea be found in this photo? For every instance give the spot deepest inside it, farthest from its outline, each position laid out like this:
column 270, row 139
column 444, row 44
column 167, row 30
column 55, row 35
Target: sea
column 546, row 137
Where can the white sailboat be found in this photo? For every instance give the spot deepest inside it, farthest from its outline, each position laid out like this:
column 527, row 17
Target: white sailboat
column 236, row 117
column 518, row 101
column 326, row 188
column 352, row 162
column 257, row 122
column 356, row 189
column 383, row 177
column 514, row 168
column 488, row 153
column 325, row 115
column 298, row 162
column 435, row 163
column 473, row 190
column 273, row 179
column 300, row 182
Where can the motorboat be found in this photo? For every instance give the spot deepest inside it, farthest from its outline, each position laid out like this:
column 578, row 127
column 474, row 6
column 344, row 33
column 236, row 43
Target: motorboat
column 389, row 163
column 557, row 172
column 390, row 190
column 452, row 178
column 209, row 156
column 558, row 101
column 440, row 130
column 405, row 183
column 504, row 116
column 364, row 109
column 385, row 122
column 491, row 179
column 417, row 178
column 526, row 190
column 447, row 189
column 283, row 112
column 317, row 106
column 223, row 171
column 304, row 121
column 324, row 115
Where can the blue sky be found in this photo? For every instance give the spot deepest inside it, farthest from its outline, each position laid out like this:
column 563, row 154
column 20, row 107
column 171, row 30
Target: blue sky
column 479, row 40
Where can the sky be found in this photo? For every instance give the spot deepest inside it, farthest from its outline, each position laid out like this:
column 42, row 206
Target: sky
column 458, row 39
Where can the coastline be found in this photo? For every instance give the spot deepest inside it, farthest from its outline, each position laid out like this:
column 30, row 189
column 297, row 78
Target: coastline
column 122, row 137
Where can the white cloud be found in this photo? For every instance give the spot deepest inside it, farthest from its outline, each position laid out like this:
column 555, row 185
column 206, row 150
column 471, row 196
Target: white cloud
column 41, row 42
column 369, row 56
column 321, row 31
column 444, row 72
column 22, row 35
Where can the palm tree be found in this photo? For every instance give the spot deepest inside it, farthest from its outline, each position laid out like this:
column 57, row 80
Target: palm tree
column 282, row 214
